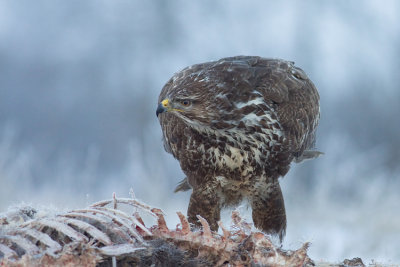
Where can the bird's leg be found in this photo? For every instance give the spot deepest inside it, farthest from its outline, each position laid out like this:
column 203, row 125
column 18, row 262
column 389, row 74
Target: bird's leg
column 204, row 202
column 269, row 210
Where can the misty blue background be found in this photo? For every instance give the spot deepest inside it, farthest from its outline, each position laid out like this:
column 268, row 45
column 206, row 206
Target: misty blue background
column 79, row 82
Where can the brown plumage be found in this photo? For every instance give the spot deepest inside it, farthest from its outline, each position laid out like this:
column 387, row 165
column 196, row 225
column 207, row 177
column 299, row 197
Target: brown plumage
column 235, row 125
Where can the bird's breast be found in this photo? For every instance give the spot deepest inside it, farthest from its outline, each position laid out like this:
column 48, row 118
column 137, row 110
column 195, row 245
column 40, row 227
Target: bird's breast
column 230, row 158
column 235, row 153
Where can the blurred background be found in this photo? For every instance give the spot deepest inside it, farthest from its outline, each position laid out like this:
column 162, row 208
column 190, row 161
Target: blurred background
column 79, row 82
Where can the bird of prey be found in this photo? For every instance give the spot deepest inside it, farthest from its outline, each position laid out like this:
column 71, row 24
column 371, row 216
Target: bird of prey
column 235, row 125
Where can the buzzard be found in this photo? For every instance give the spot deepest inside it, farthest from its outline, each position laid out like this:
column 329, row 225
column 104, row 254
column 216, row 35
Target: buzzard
column 235, row 125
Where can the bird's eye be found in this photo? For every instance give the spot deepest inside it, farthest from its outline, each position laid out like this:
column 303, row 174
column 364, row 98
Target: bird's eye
column 185, row 103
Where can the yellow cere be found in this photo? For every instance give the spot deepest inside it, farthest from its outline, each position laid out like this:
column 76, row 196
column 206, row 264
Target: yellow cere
column 165, row 103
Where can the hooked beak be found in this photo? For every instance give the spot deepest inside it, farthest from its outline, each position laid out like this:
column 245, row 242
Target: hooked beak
column 162, row 107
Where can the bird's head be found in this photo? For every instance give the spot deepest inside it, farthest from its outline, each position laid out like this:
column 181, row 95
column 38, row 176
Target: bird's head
column 188, row 108
column 174, row 105
column 208, row 95
column 188, row 98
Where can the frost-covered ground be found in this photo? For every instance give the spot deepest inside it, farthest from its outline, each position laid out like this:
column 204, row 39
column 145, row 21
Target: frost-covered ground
column 79, row 83
column 363, row 223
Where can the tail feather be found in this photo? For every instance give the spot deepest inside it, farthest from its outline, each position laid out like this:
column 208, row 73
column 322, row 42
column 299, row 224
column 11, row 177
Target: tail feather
column 308, row 154
column 183, row 186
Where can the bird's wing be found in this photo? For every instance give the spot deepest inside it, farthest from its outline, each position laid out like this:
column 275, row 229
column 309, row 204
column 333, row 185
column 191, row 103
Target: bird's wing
column 295, row 100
